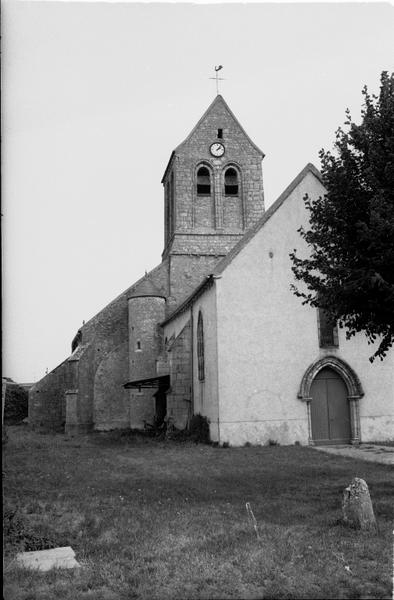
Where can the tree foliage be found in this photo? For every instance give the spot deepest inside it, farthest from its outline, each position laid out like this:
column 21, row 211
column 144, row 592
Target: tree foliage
column 16, row 404
column 350, row 270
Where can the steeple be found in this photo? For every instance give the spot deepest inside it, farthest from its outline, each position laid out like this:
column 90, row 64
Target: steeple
column 213, row 186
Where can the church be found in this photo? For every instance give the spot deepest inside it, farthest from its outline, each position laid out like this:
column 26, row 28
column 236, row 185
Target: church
column 215, row 329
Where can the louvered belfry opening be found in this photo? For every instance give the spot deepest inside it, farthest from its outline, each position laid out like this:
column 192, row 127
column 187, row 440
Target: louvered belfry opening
column 203, row 182
column 231, row 182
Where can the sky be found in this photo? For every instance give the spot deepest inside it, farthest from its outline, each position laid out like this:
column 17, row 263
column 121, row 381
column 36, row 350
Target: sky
column 95, row 98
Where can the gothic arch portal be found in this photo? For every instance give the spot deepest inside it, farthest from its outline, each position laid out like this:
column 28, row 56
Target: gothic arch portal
column 353, row 385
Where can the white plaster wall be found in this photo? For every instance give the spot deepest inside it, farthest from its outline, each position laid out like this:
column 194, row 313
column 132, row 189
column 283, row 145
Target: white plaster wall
column 267, row 339
column 206, row 393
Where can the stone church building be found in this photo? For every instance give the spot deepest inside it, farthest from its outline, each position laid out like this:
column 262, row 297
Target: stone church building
column 215, row 328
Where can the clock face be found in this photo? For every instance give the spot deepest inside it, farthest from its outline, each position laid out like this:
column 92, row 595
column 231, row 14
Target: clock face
column 217, row 149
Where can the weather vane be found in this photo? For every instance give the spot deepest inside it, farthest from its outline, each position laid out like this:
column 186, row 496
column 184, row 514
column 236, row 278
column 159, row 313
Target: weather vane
column 217, row 78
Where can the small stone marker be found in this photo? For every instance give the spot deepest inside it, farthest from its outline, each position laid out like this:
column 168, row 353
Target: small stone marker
column 357, row 506
column 252, row 518
column 43, row 560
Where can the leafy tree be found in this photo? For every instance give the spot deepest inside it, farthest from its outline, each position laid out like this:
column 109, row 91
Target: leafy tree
column 350, row 270
column 16, row 404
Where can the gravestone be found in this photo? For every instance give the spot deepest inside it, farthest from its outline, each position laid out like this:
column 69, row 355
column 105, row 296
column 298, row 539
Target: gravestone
column 43, row 560
column 357, row 506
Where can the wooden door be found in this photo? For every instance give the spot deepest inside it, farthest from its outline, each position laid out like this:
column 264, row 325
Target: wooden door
column 330, row 413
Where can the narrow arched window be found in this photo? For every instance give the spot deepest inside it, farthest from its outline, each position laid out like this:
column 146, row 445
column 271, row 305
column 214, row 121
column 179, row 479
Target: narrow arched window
column 203, row 182
column 200, row 348
column 231, row 186
column 328, row 330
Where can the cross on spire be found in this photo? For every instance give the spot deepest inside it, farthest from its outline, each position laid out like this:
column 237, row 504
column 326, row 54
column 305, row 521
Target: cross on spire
column 217, row 78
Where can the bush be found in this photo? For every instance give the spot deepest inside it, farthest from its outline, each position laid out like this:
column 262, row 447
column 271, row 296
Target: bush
column 20, row 536
column 16, row 404
column 199, row 429
column 272, row 443
column 197, row 432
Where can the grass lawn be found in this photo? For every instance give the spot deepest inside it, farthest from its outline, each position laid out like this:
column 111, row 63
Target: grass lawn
column 165, row 520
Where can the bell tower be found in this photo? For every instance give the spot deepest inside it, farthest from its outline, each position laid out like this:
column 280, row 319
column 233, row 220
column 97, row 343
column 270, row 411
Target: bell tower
column 213, row 193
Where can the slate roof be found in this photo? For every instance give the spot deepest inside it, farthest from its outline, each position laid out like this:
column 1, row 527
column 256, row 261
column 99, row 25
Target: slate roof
column 146, row 288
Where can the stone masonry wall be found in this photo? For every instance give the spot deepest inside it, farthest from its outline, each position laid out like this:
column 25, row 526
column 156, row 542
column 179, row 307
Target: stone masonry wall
column 103, row 376
column 179, row 400
column 225, row 215
column 207, row 244
column 47, row 403
column 145, row 340
column 186, row 273
column 145, row 345
column 112, row 370
column 99, row 373
column 142, row 407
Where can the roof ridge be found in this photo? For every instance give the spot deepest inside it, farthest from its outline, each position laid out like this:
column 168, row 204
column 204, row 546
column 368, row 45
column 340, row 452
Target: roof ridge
column 222, row 264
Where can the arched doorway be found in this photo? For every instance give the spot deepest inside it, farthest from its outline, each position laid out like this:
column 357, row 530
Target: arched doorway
column 332, row 391
column 330, row 410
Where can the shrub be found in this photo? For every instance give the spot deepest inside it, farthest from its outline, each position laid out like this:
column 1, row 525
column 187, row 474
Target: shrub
column 19, row 534
column 199, row 429
column 16, row 404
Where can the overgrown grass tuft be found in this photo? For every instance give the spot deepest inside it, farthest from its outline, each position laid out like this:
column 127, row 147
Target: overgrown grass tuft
column 156, row 519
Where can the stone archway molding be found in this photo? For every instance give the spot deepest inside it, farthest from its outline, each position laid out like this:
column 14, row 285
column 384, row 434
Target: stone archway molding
column 350, row 378
column 352, row 382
